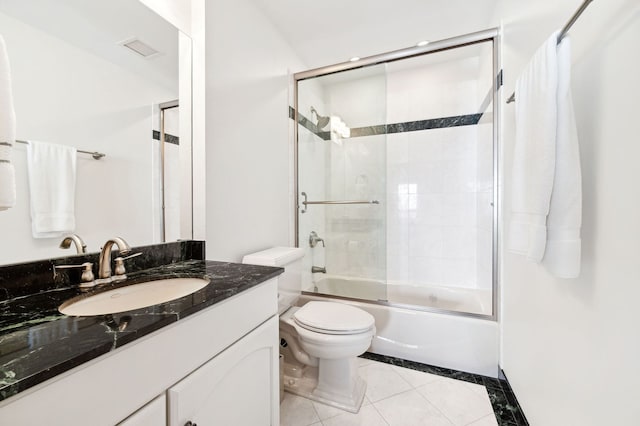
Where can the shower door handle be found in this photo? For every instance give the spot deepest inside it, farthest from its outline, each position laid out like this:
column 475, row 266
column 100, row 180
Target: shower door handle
column 305, row 203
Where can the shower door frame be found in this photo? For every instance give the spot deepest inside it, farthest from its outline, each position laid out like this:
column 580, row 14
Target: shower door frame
column 492, row 35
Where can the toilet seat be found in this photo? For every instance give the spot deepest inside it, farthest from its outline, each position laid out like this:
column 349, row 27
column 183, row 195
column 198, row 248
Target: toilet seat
column 333, row 318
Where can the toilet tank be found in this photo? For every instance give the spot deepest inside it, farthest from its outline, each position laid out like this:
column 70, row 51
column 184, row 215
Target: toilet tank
column 289, row 282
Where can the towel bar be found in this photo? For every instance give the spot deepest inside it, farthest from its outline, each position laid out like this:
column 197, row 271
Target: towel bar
column 95, row 154
column 306, row 203
column 563, row 32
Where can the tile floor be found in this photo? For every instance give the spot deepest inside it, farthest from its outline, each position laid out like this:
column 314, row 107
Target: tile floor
column 398, row 396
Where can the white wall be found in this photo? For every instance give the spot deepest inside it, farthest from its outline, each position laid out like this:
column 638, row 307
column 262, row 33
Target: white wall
column 68, row 96
column 248, row 147
column 571, row 347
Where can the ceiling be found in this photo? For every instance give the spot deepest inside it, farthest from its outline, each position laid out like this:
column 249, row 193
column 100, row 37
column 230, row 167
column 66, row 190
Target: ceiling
column 332, row 31
column 99, row 26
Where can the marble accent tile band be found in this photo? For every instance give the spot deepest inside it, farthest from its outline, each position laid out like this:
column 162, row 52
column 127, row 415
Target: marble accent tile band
column 383, row 129
column 167, row 137
column 413, row 126
column 307, row 124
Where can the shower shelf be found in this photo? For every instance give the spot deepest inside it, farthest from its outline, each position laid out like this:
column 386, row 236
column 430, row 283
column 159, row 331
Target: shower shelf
column 306, row 203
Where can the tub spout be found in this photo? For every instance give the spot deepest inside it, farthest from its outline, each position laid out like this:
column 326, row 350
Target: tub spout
column 318, row 269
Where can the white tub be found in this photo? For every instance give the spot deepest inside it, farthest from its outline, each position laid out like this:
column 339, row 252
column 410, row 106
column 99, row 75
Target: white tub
column 445, row 340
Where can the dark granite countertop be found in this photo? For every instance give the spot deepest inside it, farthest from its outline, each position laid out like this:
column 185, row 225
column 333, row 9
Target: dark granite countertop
column 37, row 342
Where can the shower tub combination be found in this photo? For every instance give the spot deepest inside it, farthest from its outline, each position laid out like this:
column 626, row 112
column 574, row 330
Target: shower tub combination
column 389, row 198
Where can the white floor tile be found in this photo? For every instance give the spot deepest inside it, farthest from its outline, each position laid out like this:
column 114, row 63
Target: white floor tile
column 392, row 400
column 410, row 409
column 367, row 416
column 297, row 411
column 479, row 390
column 489, row 420
column 415, row 378
column 326, row 411
column 382, row 381
column 456, row 400
column 364, row 361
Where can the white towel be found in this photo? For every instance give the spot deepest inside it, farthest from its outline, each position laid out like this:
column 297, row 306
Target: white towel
column 535, row 152
column 7, row 133
column 562, row 256
column 547, row 198
column 52, row 186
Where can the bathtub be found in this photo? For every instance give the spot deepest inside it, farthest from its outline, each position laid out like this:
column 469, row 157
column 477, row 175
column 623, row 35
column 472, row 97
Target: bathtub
column 425, row 333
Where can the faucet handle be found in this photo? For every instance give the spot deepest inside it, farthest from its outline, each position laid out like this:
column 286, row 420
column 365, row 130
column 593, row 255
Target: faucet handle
column 119, row 269
column 87, row 272
column 314, row 239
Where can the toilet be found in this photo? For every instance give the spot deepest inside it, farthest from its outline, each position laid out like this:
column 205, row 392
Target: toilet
column 320, row 341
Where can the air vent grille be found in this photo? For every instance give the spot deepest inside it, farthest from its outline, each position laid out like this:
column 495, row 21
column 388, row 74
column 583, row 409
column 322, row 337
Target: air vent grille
column 141, row 48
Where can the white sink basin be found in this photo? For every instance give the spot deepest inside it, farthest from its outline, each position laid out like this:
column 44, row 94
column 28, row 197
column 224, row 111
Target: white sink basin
column 134, row 296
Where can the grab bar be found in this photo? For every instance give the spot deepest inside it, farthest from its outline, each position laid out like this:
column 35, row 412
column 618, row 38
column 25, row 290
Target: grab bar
column 306, row 203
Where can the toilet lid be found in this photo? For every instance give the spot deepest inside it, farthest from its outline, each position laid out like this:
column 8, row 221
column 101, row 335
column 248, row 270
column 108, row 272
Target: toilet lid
column 333, row 318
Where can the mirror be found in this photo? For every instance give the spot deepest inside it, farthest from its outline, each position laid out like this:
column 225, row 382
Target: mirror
column 75, row 82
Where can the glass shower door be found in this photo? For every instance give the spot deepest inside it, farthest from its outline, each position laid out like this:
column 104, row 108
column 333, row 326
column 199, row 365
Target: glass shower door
column 341, row 150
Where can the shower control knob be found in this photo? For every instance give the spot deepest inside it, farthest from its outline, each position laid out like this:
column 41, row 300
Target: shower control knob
column 190, row 423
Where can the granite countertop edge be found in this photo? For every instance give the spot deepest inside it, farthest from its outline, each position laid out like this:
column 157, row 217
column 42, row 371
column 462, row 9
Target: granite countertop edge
column 38, row 343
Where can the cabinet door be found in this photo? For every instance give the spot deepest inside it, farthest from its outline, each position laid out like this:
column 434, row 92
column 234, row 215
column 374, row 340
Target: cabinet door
column 154, row 413
column 238, row 387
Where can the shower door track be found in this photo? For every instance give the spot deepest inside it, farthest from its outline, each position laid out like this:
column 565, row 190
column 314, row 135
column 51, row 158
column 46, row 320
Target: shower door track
column 492, row 35
column 398, row 305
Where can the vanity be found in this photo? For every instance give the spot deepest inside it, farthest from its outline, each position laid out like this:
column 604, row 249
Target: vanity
column 210, row 357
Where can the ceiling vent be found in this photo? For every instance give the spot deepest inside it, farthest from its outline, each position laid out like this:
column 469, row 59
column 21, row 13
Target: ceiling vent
column 140, row 47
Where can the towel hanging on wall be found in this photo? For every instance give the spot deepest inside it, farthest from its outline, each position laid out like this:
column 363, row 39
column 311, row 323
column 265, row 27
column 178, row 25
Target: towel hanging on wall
column 7, row 133
column 52, row 186
column 563, row 252
column 546, row 197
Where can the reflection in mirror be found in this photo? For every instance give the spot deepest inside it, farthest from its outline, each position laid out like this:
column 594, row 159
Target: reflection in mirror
column 75, row 83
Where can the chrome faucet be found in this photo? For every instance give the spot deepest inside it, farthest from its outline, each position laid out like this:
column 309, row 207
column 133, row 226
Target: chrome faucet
column 81, row 247
column 318, row 269
column 104, row 265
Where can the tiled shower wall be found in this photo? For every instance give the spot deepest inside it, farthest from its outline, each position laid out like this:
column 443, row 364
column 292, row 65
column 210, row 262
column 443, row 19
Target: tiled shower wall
column 356, row 234
column 433, row 225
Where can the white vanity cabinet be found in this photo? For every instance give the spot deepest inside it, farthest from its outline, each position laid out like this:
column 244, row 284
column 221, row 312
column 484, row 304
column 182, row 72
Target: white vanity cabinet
column 234, row 388
column 154, row 413
column 218, row 366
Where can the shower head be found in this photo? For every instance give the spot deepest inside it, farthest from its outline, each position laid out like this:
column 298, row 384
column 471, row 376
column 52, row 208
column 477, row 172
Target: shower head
column 322, row 121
